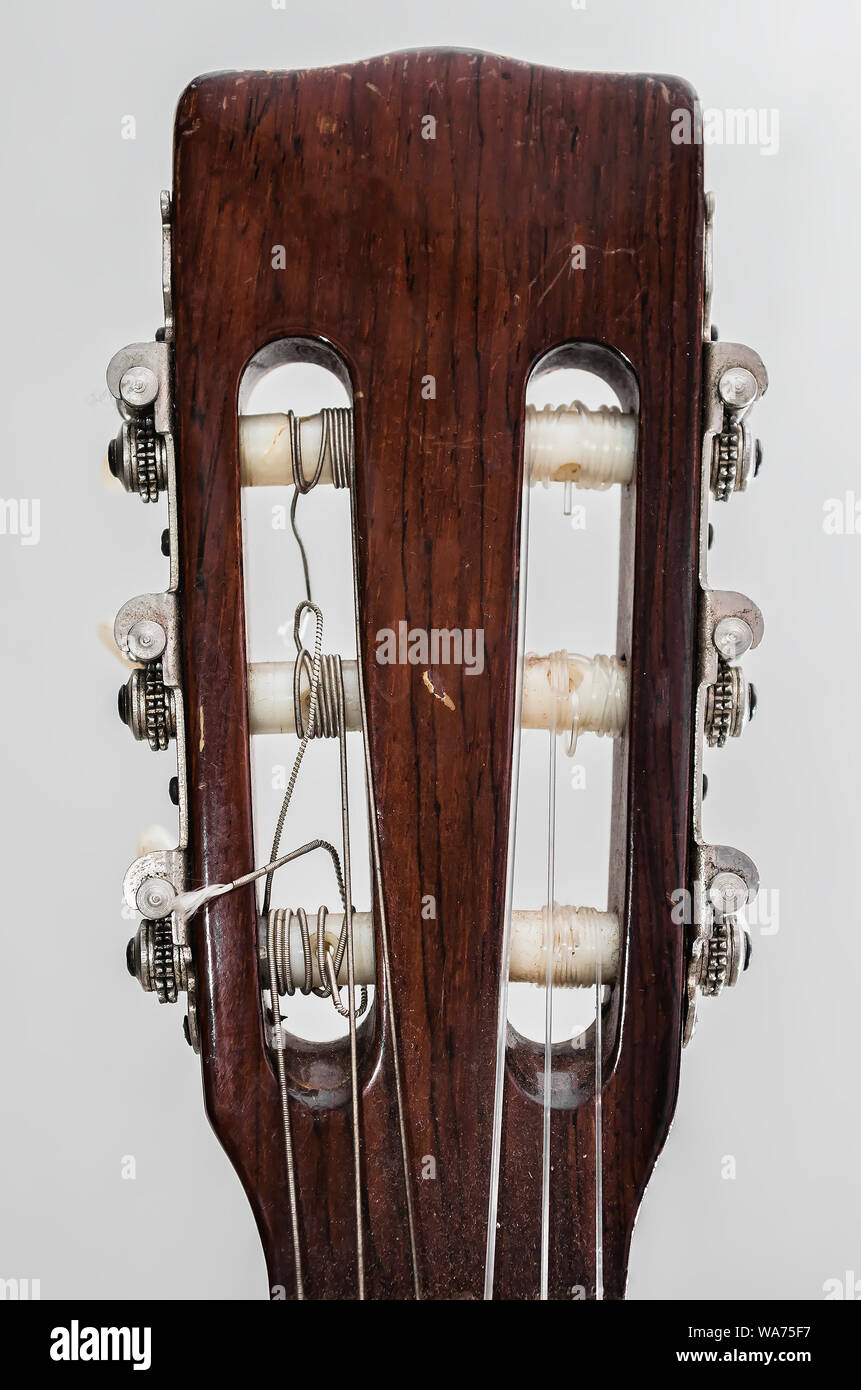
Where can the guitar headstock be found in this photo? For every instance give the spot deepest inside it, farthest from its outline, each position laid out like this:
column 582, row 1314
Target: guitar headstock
column 440, row 231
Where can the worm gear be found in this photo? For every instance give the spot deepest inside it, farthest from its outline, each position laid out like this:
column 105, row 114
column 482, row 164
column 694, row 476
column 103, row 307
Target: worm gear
column 157, row 962
column 716, row 963
column 163, row 974
column 727, row 953
column 730, row 703
column 137, row 457
column 146, row 706
column 726, row 459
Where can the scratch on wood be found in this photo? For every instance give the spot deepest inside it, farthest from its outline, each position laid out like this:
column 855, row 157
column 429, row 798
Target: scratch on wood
column 446, row 699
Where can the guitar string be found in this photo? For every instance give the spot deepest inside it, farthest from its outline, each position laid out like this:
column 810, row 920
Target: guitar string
column 187, row 904
column 351, row 986
column 505, row 954
column 277, row 1033
column 345, row 884
column 599, row 1132
column 548, row 1013
column 337, row 421
column 386, row 960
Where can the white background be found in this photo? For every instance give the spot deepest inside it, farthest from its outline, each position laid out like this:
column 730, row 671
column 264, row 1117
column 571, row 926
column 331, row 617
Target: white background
column 92, row 1070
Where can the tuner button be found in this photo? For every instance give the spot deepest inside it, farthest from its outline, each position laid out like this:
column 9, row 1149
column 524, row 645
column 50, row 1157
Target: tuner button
column 115, row 463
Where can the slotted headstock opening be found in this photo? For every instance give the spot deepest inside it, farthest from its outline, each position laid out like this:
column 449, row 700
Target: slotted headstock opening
column 569, row 603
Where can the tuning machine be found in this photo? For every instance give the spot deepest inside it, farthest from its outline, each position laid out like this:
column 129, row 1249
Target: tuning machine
column 735, row 379
column 730, row 625
column 146, row 631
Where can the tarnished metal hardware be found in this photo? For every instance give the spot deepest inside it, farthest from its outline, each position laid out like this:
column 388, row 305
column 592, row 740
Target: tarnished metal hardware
column 725, row 881
column 147, row 631
column 735, row 379
column 730, row 705
column 148, row 707
column 159, row 965
column 730, row 625
column 719, row 947
column 164, row 967
column 137, row 458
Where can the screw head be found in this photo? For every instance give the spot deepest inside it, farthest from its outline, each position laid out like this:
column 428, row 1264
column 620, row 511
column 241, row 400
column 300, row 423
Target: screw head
column 732, row 637
column 737, row 387
column 727, row 893
column 146, row 640
column 138, row 386
column 173, row 790
column 165, row 543
column 155, row 898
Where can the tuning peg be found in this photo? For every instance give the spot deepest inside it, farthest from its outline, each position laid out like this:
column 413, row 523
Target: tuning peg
column 585, row 947
column 561, row 690
column 567, row 444
column 571, row 444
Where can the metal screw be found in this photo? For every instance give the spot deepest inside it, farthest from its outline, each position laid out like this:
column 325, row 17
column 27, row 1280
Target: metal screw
column 173, row 790
column 737, row 387
column 728, row 893
column 155, row 898
column 139, row 386
column 732, row 637
column 165, row 543
column 146, row 640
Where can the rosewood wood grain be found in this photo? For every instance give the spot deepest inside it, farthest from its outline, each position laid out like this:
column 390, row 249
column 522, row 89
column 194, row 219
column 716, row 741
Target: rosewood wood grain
column 449, row 257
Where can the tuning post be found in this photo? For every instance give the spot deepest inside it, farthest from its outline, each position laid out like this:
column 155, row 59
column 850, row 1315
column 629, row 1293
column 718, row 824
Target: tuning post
column 585, row 948
column 568, row 444
column 561, row 690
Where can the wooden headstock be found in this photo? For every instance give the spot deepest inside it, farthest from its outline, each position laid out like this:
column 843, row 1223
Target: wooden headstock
column 408, row 258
